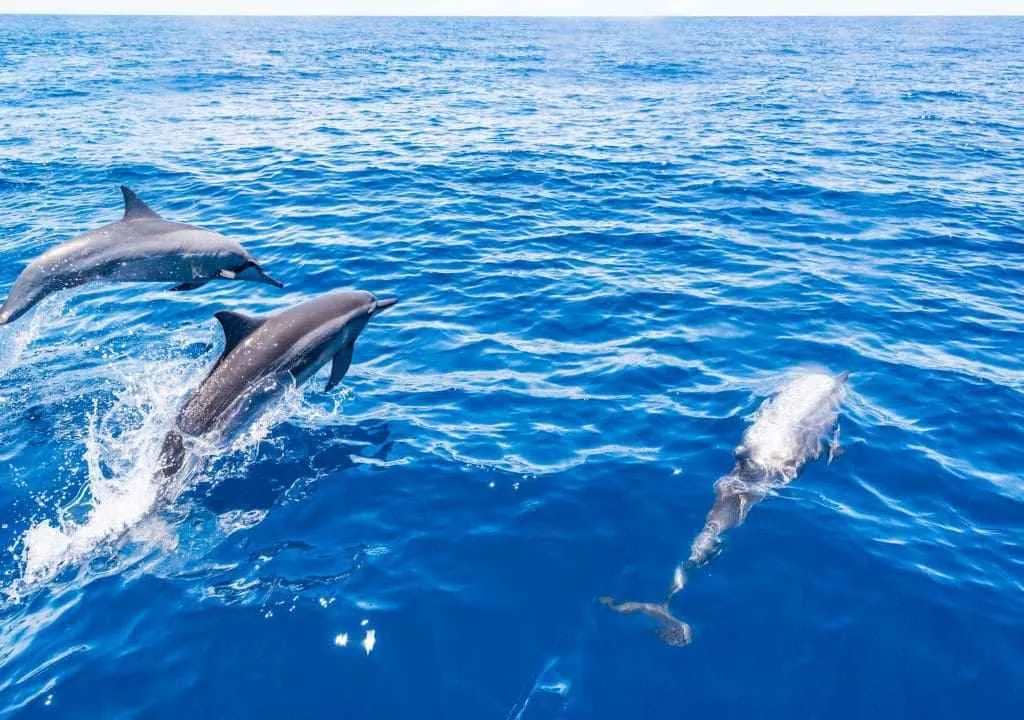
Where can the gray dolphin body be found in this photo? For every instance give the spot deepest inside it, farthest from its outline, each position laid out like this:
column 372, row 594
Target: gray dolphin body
column 786, row 433
column 262, row 355
column 141, row 246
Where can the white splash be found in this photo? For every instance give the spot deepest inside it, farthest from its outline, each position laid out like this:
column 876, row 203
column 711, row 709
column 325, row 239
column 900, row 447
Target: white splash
column 122, row 447
column 17, row 336
column 122, row 451
column 370, row 641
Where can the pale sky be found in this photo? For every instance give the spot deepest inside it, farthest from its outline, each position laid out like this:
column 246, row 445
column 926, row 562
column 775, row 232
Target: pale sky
column 628, row 8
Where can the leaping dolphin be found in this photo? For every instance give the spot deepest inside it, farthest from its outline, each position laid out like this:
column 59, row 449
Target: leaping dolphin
column 263, row 355
column 141, row 246
column 787, row 432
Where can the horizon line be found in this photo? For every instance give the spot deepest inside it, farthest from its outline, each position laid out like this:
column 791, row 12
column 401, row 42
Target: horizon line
column 554, row 16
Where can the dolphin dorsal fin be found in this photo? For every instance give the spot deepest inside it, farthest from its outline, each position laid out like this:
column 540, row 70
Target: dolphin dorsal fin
column 342, row 360
column 135, row 209
column 237, row 327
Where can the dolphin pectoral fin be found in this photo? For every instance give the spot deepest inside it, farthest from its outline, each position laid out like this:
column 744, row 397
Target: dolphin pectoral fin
column 747, row 501
column 190, row 285
column 834, row 448
column 340, row 365
column 135, row 209
column 236, row 326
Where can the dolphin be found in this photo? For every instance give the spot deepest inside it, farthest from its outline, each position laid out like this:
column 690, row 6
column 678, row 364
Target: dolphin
column 786, row 433
column 264, row 355
column 141, row 246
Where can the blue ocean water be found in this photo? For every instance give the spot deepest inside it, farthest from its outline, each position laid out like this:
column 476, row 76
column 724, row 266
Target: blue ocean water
column 611, row 239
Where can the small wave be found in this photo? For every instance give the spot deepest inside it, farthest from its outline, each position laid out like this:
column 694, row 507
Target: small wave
column 662, row 70
column 937, row 95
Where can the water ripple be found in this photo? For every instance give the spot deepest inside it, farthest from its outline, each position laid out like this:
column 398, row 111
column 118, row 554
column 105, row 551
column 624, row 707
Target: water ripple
column 611, row 240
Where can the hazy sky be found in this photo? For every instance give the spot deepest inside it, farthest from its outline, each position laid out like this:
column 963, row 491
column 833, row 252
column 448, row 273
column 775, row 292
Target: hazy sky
column 523, row 7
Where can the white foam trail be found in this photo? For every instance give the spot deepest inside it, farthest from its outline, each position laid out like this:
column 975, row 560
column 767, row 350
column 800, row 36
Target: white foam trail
column 549, row 681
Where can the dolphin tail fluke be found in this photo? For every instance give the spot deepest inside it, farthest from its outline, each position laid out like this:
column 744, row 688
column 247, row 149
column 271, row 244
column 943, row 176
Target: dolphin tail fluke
column 669, row 628
column 674, row 632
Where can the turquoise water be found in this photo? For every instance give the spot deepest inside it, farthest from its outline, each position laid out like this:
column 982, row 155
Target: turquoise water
column 611, row 241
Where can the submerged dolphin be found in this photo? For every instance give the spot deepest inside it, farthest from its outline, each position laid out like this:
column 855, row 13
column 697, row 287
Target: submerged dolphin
column 787, row 432
column 262, row 355
column 141, row 246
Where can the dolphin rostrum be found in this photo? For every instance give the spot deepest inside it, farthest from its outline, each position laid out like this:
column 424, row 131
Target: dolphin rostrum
column 141, row 246
column 262, row 356
column 787, row 432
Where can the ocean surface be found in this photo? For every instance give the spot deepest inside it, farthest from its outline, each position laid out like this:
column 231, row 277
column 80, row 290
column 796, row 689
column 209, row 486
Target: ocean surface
column 611, row 240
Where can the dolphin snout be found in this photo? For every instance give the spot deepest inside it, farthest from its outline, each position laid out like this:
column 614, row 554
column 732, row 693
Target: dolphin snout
column 382, row 305
column 264, row 278
column 252, row 271
column 10, row 312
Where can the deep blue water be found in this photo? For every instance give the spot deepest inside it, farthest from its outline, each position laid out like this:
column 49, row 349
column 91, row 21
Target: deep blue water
column 610, row 241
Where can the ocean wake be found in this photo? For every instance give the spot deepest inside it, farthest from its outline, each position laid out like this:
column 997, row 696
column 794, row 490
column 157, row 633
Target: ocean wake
column 121, row 452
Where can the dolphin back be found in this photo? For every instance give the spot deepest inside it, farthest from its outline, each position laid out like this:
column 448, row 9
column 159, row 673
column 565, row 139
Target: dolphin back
column 787, row 431
column 789, row 427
